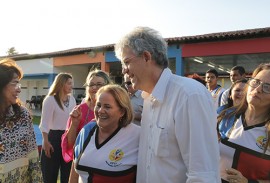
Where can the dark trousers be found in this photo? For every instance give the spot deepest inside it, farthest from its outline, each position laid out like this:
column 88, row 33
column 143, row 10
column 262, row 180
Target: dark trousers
column 50, row 166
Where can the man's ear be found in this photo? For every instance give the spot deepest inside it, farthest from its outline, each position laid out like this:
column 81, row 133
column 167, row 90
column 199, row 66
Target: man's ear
column 147, row 56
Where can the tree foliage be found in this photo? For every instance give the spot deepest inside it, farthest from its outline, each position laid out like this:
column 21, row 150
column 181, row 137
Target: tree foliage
column 12, row 51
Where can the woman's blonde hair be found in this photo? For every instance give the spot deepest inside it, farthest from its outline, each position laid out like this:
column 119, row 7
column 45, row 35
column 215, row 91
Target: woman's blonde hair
column 57, row 86
column 123, row 101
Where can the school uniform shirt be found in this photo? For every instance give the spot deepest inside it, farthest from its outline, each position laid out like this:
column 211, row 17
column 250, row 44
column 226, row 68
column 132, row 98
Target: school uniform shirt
column 216, row 95
column 53, row 117
column 243, row 150
column 224, row 97
column 112, row 161
column 227, row 121
column 178, row 141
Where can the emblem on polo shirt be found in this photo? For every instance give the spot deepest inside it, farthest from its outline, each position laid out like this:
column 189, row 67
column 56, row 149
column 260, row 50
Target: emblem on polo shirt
column 260, row 142
column 114, row 157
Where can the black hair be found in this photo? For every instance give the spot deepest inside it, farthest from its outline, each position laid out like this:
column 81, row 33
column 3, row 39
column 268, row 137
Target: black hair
column 213, row 71
column 240, row 69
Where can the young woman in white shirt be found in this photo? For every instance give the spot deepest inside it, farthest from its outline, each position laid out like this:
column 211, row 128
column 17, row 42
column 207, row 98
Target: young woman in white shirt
column 55, row 112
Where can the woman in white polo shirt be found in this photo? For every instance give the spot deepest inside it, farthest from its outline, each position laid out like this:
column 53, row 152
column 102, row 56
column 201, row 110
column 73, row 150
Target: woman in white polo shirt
column 107, row 152
column 245, row 147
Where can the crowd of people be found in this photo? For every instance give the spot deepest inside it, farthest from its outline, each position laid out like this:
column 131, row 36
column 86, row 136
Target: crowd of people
column 156, row 128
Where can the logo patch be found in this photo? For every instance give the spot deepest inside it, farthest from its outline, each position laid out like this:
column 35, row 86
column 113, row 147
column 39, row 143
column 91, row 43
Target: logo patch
column 261, row 141
column 115, row 156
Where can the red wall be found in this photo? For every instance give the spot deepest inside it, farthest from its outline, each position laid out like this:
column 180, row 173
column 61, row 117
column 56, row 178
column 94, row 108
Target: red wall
column 260, row 45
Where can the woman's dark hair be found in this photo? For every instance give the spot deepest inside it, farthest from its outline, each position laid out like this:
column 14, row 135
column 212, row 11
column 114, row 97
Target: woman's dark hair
column 8, row 69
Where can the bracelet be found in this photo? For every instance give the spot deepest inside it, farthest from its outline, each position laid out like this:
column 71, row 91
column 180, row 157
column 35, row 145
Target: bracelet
column 253, row 181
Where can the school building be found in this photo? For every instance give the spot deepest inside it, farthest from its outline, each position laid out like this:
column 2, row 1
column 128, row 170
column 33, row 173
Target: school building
column 187, row 55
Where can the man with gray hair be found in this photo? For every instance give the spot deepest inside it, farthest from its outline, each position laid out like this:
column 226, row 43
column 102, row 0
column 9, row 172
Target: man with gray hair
column 178, row 141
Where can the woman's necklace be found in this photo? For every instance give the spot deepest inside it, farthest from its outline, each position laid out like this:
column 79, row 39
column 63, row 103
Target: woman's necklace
column 66, row 102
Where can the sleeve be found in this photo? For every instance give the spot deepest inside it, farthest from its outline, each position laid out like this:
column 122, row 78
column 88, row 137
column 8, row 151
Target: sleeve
column 81, row 139
column 47, row 114
column 79, row 143
column 196, row 123
column 224, row 98
column 33, row 156
column 220, row 97
column 67, row 153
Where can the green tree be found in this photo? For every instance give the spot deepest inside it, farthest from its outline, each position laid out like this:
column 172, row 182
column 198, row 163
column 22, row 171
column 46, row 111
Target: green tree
column 12, row 51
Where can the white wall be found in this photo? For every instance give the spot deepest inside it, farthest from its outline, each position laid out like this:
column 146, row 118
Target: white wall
column 79, row 73
column 36, row 66
column 225, row 82
column 33, row 87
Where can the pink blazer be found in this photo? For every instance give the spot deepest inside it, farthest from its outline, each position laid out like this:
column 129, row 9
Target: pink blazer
column 87, row 116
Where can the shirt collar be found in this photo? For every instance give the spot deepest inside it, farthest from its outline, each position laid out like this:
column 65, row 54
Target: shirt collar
column 159, row 90
column 137, row 93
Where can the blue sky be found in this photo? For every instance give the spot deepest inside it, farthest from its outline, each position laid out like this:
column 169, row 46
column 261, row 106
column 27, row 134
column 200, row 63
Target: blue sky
column 41, row 26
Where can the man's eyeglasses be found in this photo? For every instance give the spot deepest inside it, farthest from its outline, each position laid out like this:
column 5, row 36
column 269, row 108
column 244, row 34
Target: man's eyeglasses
column 128, row 83
column 17, row 85
column 98, row 85
column 254, row 83
column 125, row 62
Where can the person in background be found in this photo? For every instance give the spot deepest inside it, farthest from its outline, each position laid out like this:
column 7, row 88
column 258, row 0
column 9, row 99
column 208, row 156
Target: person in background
column 211, row 78
column 236, row 73
column 19, row 159
column 245, row 148
column 95, row 80
column 235, row 95
column 136, row 100
column 197, row 78
column 107, row 151
column 55, row 112
column 178, row 141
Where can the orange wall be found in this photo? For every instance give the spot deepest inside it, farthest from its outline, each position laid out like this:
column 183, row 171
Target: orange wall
column 82, row 59
column 78, row 59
